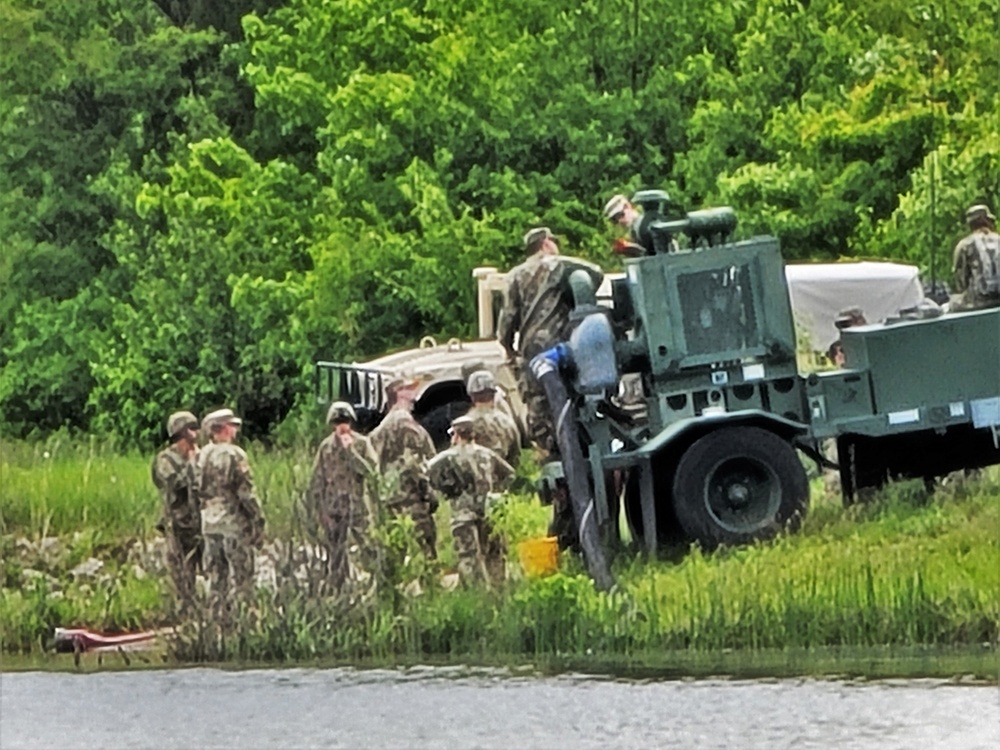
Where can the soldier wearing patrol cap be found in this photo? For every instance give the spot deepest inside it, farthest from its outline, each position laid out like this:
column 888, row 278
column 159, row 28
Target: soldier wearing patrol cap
column 467, row 474
column 619, row 210
column 339, row 497
column 173, row 475
column 977, row 262
column 535, row 317
column 232, row 523
column 403, row 446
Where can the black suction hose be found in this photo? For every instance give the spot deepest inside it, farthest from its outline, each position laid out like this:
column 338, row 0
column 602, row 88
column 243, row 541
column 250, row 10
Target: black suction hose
column 545, row 368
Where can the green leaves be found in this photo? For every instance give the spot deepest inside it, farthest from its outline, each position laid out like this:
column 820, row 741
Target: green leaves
column 195, row 208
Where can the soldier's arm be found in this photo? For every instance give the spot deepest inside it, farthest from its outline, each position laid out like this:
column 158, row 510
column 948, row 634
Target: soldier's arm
column 503, row 472
column 960, row 271
column 156, row 472
column 246, row 495
column 510, row 318
column 418, row 440
column 316, row 482
column 442, row 476
column 363, row 459
column 513, row 437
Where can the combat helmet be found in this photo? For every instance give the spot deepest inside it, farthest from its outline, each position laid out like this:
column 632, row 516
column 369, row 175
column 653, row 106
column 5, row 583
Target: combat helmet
column 179, row 420
column 481, row 381
column 341, row 411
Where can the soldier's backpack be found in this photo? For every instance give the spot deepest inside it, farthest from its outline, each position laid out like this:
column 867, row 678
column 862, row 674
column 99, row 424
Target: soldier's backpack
column 988, row 284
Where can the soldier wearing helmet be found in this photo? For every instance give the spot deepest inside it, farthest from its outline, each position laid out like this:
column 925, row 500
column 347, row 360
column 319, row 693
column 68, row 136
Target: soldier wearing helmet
column 173, row 475
column 402, row 446
column 977, row 262
column 495, row 429
column 468, row 474
column 340, row 499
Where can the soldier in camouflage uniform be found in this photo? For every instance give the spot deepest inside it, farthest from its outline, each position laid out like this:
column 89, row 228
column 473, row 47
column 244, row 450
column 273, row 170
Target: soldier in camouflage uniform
column 339, row 495
column 536, row 311
column 467, row 474
column 403, row 446
column 495, row 429
column 173, row 475
column 977, row 262
column 232, row 523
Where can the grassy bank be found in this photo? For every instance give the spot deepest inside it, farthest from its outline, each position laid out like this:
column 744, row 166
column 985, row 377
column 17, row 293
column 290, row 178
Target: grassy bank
column 905, row 570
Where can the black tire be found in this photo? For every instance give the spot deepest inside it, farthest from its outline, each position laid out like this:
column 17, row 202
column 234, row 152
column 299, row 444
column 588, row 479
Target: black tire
column 438, row 420
column 737, row 485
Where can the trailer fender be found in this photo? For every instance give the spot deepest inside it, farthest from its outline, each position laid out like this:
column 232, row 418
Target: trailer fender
column 682, row 433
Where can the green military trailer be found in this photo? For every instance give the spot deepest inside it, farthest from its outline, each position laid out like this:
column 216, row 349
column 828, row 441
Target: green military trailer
column 713, row 454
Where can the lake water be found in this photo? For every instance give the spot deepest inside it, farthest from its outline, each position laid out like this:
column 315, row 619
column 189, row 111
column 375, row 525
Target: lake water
column 445, row 707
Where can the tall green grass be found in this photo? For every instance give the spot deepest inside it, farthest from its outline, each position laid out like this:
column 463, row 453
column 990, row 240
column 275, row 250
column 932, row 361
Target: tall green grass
column 904, row 570
column 61, row 486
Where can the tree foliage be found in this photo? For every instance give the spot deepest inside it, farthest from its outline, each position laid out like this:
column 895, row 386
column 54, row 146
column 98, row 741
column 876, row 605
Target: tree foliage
column 198, row 199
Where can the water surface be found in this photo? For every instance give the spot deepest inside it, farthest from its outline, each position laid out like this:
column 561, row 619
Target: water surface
column 463, row 708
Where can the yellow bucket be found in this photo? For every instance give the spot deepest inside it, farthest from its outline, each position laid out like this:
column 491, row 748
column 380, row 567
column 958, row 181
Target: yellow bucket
column 539, row 557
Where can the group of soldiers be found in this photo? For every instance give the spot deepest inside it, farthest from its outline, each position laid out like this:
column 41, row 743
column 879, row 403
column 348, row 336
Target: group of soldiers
column 211, row 515
column 213, row 519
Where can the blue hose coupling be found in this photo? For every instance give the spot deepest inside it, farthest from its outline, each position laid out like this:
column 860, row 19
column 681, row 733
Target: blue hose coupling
column 551, row 360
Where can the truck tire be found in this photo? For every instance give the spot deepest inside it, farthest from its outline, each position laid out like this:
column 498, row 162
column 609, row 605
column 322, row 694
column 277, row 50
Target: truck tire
column 737, row 485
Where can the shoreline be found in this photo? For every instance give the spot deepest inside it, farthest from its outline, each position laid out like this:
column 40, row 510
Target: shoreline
column 959, row 665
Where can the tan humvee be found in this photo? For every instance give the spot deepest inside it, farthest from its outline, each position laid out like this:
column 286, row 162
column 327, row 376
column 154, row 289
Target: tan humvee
column 443, row 367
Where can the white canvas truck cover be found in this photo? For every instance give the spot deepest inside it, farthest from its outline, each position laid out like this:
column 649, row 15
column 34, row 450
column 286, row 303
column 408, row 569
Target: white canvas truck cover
column 819, row 291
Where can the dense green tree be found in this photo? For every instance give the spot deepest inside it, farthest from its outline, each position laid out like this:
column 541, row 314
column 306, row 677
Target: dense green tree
column 198, row 198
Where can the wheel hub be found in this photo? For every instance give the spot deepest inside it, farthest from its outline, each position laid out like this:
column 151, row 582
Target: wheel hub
column 742, row 494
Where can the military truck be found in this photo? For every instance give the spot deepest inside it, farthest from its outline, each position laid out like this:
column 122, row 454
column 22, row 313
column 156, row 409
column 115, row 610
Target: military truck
column 442, row 367
column 714, row 456
column 817, row 291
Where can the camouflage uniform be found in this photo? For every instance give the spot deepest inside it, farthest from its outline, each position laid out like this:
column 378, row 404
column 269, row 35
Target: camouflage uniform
column 173, row 475
column 402, row 447
column 466, row 474
column 232, row 523
column 537, row 308
column 496, row 430
column 977, row 258
column 338, row 496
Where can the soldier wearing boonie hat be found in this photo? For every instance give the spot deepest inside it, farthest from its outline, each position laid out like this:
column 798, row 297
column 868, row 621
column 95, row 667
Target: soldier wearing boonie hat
column 232, row 522
column 403, row 446
column 976, row 273
column 173, row 475
column 467, row 474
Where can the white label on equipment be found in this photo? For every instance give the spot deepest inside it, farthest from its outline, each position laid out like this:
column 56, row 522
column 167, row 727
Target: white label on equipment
column 753, row 372
column 720, row 377
column 985, row 412
column 904, row 417
column 957, row 409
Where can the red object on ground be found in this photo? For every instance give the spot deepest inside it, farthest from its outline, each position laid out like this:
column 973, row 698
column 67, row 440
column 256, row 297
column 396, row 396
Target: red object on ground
column 80, row 639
